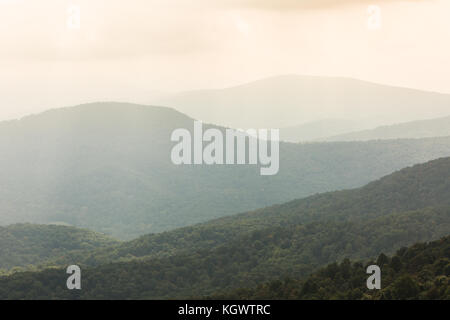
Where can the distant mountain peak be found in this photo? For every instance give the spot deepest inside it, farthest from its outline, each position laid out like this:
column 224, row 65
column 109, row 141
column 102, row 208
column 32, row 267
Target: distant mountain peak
column 289, row 100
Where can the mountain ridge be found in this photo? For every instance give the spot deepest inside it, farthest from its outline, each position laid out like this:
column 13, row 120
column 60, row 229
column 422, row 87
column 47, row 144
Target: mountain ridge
column 439, row 127
column 419, row 272
column 111, row 171
column 27, row 244
column 414, row 188
column 293, row 240
column 286, row 101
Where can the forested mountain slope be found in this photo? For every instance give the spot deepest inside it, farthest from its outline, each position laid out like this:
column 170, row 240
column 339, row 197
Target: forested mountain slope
column 107, row 167
column 294, row 239
column 246, row 261
column 421, row 271
column 26, row 244
column 417, row 187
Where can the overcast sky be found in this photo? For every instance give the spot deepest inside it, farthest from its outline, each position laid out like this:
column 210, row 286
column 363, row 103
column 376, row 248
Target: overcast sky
column 135, row 49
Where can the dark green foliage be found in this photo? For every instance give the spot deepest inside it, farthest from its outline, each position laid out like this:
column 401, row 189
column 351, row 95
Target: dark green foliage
column 290, row 240
column 419, row 272
column 258, row 256
column 419, row 187
column 26, row 244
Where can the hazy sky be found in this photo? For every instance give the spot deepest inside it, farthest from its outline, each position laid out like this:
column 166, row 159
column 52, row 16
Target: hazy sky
column 135, row 49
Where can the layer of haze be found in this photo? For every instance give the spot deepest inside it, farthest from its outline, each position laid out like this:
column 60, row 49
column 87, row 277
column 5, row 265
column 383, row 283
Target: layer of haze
column 140, row 49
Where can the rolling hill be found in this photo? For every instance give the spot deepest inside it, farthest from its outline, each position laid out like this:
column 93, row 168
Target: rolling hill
column 244, row 262
column 22, row 245
column 417, row 129
column 319, row 130
column 420, row 272
column 290, row 100
column 408, row 190
column 107, row 167
column 290, row 240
